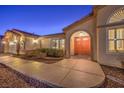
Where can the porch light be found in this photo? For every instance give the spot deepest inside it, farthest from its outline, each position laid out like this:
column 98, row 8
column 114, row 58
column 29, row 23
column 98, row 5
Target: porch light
column 81, row 34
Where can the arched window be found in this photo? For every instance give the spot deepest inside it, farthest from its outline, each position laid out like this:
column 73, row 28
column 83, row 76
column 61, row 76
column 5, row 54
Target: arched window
column 118, row 16
column 116, row 35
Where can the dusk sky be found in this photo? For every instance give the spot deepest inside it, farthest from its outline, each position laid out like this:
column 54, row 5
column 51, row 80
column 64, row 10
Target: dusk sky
column 40, row 20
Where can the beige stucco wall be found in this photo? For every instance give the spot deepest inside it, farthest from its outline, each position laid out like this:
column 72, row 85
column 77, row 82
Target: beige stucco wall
column 104, row 57
column 46, row 42
column 72, row 45
column 1, row 45
column 31, row 45
column 88, row 27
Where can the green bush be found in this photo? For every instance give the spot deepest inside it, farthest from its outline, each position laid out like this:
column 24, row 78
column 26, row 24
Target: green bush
column 55, row 53
column 51, row 53
column 59, row 53
column 43, row 50
column 32, row 53
column 48, row 51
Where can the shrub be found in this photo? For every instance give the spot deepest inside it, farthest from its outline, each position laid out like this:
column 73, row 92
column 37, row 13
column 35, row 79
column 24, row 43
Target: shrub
column 55, row 53
column 51, row 52
column 32, row 53
column 59, row 53
column 48, row 51
column 43, row 50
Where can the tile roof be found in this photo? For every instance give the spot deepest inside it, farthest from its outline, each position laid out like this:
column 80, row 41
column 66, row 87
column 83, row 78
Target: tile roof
column 54, row 35
column 1, row 36
column 79, row 21
column 32, row 34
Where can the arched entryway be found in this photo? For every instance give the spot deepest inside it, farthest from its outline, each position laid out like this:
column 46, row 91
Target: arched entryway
column 80, row 44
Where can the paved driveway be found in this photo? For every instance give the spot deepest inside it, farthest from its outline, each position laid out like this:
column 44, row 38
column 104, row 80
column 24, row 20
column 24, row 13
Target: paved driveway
column 65, row 73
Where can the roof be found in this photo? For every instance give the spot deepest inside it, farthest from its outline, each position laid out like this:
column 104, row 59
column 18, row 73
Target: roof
column 27, row 33
column 82, row 20
column 98, row 6
column 1, row 36
column 111, row 24
column 54, row 35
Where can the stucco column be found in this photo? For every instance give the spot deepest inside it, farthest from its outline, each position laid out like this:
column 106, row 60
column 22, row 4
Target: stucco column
column 67, row 46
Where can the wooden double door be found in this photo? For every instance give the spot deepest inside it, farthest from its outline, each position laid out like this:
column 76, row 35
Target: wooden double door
column 82, row 45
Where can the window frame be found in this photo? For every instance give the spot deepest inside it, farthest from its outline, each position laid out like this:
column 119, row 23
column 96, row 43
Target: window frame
column 115, row 40
column 59, row 43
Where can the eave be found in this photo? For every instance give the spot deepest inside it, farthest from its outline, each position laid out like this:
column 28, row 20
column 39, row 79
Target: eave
column 81, row 21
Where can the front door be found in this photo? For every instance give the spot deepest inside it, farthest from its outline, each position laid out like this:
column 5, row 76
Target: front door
column 82, row 45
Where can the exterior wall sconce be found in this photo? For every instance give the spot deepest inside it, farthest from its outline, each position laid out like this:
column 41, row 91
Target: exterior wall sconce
column 81, row 34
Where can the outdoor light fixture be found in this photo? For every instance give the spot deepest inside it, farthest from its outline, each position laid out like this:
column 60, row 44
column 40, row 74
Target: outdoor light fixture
column 81, row 34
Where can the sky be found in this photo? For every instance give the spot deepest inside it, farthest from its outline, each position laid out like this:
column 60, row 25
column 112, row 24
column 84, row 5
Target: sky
column 41, row 20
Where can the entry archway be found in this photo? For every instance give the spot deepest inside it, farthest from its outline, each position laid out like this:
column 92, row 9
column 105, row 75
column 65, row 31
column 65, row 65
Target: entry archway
column 80, row 43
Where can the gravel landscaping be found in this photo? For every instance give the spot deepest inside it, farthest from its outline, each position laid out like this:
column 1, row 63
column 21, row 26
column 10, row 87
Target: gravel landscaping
column 114, row 77
column 10, row 78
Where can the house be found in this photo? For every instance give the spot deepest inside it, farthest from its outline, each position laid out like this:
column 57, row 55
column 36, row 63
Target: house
column 99, row 35
column 56, row 41
column 17, row 41
column 1, row 45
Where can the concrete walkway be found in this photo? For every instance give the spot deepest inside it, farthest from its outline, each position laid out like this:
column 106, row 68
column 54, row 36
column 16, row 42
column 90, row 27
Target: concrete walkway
column 65, row 73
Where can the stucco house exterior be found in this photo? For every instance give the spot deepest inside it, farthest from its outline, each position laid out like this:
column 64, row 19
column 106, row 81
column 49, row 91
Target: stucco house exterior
column 99, row 35
column 16, row 40
column 53, row 41
column 1, row 45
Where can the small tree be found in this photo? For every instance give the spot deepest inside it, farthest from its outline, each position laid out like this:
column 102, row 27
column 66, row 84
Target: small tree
column 18, row 48
column 18, row 45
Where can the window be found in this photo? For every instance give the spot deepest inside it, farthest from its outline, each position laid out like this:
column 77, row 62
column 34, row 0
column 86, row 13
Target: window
column 116, row 40
column 57, row 43
column 118, row 16
column 62, row 44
